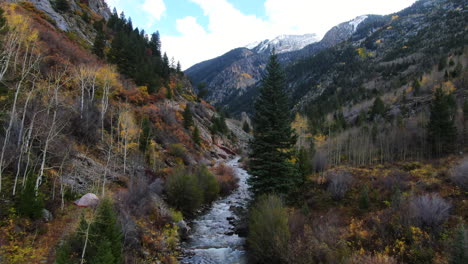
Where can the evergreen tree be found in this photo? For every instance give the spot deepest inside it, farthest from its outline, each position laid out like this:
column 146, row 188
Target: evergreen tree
column 62, row 5
column 187, row 115
column 202, row 91
column 304, row 162
column 30, row 204
column 460, row 247
column 378, row 108
column 219, row 124
column 179, row 67
column 442, row 63
column 145, row 134
column 106, row 228
column 155, row 44
column 196, row 136
column 274, row 139
column 416, row 87
column 169, row 93
column 99, row 44
column 104, row 239
column 246, row 127
column 442, row 132
column 166, row 70
column 3, row 21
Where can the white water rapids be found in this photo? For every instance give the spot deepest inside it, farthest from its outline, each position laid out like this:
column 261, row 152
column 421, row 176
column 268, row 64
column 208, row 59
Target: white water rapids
column 212, row 240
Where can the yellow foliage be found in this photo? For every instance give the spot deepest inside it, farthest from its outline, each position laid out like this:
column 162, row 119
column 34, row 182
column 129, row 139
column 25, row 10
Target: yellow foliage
column 357, row 230
column 320, row 139
column 301, row 126
column 107, row 75
column 20, row 25
column 362, row 52
column 246, row 75
column 395, row 17
column 128, row 128
column 448, row 87
column 389, row 27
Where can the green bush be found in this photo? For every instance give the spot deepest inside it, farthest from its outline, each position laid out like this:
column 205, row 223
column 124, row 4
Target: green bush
column 187, row 190
column 208, row 184
column 183, row 191
column 178, row 150
column 364, row 198
column 268, row 231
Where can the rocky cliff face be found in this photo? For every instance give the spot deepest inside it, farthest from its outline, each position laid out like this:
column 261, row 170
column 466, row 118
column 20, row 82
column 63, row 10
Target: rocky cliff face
column 73, row 23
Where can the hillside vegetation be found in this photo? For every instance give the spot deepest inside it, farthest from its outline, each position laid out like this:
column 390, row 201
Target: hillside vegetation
column 89, row 104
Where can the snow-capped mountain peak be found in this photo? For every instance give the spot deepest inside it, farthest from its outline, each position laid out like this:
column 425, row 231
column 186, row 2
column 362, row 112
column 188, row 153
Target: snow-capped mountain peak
column 283, row 43
column 355, row 22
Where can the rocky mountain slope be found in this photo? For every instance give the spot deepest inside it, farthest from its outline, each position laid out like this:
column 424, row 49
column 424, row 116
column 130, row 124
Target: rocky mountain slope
column 374, row 48
column 73, row 122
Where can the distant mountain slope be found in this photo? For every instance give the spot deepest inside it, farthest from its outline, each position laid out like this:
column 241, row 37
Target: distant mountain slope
column 354, row 61
column 233, row 75
column 384, row 54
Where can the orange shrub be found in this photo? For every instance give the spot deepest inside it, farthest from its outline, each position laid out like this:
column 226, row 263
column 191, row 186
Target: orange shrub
column 227, row 178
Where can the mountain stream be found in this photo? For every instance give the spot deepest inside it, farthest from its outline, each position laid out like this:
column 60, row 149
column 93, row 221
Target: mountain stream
column 213, row 239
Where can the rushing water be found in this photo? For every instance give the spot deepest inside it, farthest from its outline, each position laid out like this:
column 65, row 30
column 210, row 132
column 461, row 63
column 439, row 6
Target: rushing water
column 212, row 240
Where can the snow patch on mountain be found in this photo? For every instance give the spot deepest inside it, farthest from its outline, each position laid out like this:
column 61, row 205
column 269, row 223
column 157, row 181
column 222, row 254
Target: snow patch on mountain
column 358, row 20
column 283, row 43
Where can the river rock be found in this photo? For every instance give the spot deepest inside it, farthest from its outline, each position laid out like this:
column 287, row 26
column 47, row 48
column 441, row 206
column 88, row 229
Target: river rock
column 184, row 229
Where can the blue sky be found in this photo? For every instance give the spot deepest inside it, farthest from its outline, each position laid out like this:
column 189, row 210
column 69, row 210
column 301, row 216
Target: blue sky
column 197, row 30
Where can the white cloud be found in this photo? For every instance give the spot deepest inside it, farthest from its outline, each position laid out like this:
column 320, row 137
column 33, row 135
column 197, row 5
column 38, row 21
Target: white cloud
column 155, row 8
column 229, row 28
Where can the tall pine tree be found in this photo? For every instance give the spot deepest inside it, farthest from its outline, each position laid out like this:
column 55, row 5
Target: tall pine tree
column 62, row 5
column 274, row 139
column 187, row 115
column 442, row 132
column 99, row 44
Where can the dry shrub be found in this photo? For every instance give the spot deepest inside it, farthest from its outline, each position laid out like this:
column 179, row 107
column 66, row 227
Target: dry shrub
column 371, row 259
column 429, row 210
column 459, row 174
column 141, row 201
column 339, row 182
column 318, row 243
column 227, row 178
column 395, row 180
column 319, row 161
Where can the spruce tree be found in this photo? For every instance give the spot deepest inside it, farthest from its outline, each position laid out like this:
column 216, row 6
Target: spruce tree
column 187, row 115
column 196, row 136
column 442, row 132
column 460, row 246
column 378, row 108
column 105, row 228
column 416, row 87
column 62, row 5
column 99, row 44
column 274, row 139
column 246, row 127
column 145, row 134
column 3, row 22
